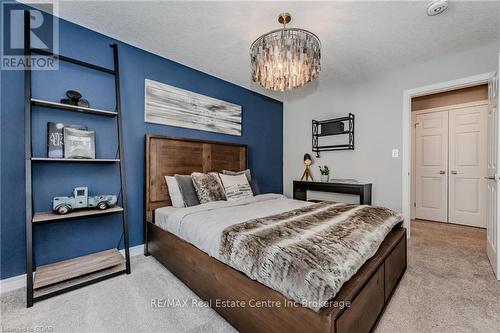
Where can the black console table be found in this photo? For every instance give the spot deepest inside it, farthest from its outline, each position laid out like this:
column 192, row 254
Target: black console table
column 364, row 190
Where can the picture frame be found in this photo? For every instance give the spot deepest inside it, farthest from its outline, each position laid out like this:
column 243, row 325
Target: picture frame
column 79, row 143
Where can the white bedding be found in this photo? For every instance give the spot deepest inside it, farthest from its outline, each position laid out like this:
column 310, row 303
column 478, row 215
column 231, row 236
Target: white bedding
column 202, row 225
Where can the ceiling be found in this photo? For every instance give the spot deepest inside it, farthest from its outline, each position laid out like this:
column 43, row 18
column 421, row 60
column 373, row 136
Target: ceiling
column 359, row 39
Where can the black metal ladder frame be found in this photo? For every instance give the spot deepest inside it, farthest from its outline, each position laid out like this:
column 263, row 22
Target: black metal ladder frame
column 28, row 51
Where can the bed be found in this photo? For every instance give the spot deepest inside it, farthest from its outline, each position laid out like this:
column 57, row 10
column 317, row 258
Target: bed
column 191, row 253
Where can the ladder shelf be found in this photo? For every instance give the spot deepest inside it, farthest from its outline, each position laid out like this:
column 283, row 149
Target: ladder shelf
column 90, row 268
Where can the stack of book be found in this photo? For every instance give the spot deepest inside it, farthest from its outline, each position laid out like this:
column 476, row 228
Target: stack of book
column 70, row 141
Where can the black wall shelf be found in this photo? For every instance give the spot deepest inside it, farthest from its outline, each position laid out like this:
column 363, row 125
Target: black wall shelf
column 347, row 129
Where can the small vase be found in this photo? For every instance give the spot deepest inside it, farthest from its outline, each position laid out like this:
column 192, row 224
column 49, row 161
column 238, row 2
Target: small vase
column 325, row 178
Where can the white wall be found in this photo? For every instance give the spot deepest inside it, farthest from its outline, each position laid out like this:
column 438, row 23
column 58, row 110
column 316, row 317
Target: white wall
column 377, row 105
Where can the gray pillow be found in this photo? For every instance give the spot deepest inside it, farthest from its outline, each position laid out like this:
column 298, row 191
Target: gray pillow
column 255, row 187
column 187, row 189
column 208, row 186
column 235, row 173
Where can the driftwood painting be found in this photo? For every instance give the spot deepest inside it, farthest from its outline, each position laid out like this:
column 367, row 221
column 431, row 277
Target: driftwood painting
column 168, row 105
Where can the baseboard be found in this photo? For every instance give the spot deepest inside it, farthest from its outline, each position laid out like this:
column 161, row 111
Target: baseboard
column 135, row 250
column 19, row 281
column 12, row 283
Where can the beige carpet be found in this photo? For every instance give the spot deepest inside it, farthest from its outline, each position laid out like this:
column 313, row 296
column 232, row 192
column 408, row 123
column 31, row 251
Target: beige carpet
column 448, row 287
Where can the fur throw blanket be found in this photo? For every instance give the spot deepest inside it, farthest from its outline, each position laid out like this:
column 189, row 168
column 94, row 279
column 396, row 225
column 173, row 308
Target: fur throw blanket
column 307, row 254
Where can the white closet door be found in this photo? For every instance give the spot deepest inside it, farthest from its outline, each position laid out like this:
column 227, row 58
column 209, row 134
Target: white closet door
column 431, row 156
column 467, row 166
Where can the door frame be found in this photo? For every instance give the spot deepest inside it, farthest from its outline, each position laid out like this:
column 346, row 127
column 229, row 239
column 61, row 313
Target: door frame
column 407, row 132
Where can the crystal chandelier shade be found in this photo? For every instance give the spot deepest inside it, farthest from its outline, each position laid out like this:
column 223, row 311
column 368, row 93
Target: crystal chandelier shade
column 285, row 59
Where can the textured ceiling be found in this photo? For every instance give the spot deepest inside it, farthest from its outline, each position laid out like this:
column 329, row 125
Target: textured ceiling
column 359, row 39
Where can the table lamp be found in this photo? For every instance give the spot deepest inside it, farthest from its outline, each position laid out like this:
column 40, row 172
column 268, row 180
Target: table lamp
column 307, row 172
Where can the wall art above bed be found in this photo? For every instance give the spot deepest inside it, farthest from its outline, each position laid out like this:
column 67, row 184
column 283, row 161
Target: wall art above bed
column 168, row 105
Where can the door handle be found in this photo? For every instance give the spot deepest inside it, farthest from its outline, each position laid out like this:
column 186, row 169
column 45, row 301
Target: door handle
column 454, row 172
column 442, row 172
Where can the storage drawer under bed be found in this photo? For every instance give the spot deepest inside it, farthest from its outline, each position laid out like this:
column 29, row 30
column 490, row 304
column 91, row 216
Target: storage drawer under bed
column 394, row 267
column 365, row 308
column 369, row 303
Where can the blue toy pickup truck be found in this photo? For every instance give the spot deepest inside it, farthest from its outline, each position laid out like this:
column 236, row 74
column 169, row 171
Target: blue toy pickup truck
column 81, row 199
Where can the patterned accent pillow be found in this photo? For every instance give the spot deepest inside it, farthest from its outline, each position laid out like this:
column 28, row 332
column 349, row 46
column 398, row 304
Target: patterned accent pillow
column 236, row 187
column 208, row 186
column 234, row 173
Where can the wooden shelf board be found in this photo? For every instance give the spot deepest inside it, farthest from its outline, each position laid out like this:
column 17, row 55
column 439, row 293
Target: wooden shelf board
column 79, row 282
column 74, row 108
column 69, row 269
column 52, row 216
column 87, row 160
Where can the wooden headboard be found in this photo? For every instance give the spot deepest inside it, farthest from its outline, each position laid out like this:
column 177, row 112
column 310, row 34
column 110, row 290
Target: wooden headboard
column 167, row 156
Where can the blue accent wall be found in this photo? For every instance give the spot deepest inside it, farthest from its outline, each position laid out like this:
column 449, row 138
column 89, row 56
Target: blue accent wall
column 262, row 131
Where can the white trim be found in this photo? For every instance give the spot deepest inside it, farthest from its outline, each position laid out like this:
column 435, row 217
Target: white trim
column 134, row 250
column 13, row 283
column 452, row 107
column 406, row 130
column 19, row 281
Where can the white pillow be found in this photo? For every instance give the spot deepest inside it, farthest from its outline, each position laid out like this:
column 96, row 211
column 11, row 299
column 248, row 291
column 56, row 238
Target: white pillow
column 174, row 192
column 236, row 187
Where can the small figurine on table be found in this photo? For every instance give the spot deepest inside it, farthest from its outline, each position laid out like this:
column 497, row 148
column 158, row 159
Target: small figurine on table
column 81, row 199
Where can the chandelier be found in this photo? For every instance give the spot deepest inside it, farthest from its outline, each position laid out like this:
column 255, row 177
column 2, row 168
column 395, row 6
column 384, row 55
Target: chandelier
column 286, row 58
